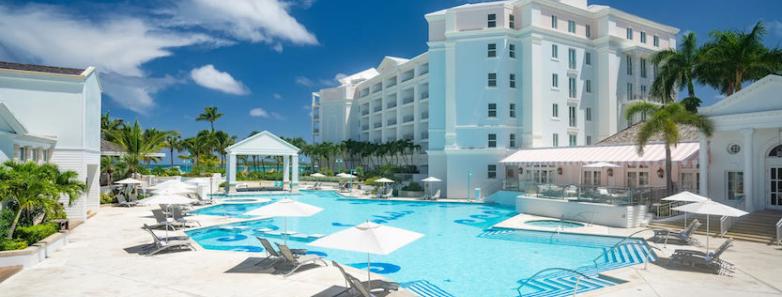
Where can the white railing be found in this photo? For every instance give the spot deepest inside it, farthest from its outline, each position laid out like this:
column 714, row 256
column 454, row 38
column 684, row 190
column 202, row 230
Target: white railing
column 665, row 210
column 725, row 224
column 779, row 231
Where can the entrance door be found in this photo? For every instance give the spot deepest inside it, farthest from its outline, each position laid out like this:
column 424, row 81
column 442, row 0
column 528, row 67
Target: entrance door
column 775, row 187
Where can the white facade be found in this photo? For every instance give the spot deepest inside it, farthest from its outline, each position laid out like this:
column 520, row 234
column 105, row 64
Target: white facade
column 264, row 144
column 63, row 105
column 517, row 74
column 743, row 160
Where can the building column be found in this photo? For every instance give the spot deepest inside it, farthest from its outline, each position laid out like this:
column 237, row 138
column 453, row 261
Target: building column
column 703, row 166
column 230, row 171
column 295, row 173
column 286, row 161
column 747, row 148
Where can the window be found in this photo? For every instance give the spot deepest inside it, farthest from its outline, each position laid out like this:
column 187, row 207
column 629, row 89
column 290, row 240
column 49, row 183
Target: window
column 492, row 110
column 555, row 140
column 491, row 51
column 588, row 86
column 629, row 63
column 23, row 153
column 571, row 58
column 588, row 114
column 512, row 80
column 588, row 31
column 46, row 155
column 492, row 20
column 492, row 140
column 643, row 68
column 512, row 21
column 588, row 58
column 571, row 26
column 629, row 33
column 589, row 140
column 492, row 80
column 554, row 51
column 491, row 171
column 656, row 41
column 654, row 70
column 553, row 22
column 555, row 80
column 643, row 37
column 571, row 86
column 572, row 140
column 512, row 110
column 571, row 116
column 512, row 50
column 555, row 110
column 735, row 185
column 643, row 91
column 512, row 140
column 629, row 91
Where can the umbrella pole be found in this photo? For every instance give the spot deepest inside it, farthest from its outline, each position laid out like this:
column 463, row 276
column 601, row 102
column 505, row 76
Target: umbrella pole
column 285, row 227
column 369, row 277
column 707, row 234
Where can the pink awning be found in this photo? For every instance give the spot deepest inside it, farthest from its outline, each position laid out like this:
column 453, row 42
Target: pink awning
column 612, row 154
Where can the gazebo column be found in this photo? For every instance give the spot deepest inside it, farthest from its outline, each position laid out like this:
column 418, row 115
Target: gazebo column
column 748, row 168
column 703, row 165
column 295, row 173
column 286, row 172
column 230, row 170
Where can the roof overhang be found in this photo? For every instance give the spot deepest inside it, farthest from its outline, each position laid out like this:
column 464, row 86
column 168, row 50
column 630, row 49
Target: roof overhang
column 653, row 153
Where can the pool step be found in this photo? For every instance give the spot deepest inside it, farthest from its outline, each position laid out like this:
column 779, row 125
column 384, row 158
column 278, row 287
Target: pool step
column 424, row 288
column 564, row 285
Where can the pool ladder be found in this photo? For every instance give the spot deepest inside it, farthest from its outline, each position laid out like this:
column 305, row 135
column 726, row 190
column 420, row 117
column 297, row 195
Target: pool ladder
column 624, row 242
column 579, row 276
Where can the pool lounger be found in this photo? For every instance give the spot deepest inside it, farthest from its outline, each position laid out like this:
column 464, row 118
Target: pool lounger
column 375, row 284
column 296, row 262
column 167, row 243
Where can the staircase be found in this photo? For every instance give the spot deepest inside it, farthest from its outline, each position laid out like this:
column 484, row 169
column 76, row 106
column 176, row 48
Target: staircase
column 758, row 226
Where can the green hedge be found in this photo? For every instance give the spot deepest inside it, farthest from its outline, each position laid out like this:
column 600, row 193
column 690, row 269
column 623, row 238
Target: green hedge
column 413, row 187
column 12, row 244
column 107, row 198
column 6, row 218
column 33, row 234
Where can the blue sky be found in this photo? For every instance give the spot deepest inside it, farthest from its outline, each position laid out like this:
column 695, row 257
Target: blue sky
column 258, row 61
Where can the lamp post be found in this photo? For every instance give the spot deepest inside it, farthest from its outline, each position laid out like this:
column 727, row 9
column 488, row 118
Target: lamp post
column 339, row 163
column 469, row 176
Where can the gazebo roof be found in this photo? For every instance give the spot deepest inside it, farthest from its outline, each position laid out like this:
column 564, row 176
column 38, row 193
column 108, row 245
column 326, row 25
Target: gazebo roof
column 263, row 143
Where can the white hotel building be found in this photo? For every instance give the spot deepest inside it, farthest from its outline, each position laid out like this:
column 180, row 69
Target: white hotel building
column 499, row 76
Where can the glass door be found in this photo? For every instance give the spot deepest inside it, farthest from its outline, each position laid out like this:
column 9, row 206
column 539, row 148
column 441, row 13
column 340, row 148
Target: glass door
column 775, row 187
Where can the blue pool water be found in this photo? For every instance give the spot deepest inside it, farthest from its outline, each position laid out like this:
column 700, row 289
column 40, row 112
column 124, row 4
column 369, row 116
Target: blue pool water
column 458, row 255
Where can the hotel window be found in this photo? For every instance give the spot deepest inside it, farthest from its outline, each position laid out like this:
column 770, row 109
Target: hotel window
column 553, row 22
column 630, row 91
column 656, row 41
column 22, row 153
column 491, row 171
column 512, row 78
column 629, row 63
column 555, row 110
column 512, row 110
column 571, row 26
column 46, row 155
column 572, row 140
column 555, row 81
column 643, row 37
column 492, row 20
column 589, row 140
column 35, row 155
column 555, row 140
column 512, row 21
column 643, row 68
column 491, row 50
column 643, row 91
column 588, row 114
column 588, row 58
column 554, row 51
column 588, row 31
column 512, row 140
column 588, row 86
column 629, row 33
column 571, row 86
column 571, row 58
column 492, row 140
column 492, row 110
column 512, row 50
column 492, row 80
column 571, row 116
column 735, row 185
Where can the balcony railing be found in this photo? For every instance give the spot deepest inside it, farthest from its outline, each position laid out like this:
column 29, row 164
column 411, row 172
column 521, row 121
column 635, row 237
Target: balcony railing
column 377, row 125
column 424, row 115
column 407, row 119
column 391, row 122
column 408, row 136
column 391, row 105
column 623, row 196
column 424, row 135
column 377, row 108
column 365, row 127
column 424, row 95
column 407, row 100
column 365, row 112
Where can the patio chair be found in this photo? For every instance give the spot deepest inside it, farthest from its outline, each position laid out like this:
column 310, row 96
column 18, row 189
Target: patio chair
column 436, row 195
column 122, row 202
column 375, row 284
column 272, row 254
column 710, row 261
column 389, row 192
column 684, row 236
column 296, row 262
column 179, row 217
column 162, row 220
column 133, row 197
column 168, row 243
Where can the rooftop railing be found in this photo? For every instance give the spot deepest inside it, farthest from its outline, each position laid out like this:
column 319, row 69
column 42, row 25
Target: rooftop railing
column 624, row 196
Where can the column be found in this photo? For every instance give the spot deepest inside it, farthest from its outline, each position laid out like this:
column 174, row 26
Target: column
column 747, row 149
column 230, row 171
column 286, row 161
column 703, row 166
column 295, row 173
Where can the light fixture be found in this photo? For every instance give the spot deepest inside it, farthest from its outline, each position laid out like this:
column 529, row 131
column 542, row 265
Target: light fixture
column 610, row 172
column 660, row 172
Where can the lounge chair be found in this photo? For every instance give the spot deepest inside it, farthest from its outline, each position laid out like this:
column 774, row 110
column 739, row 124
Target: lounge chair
column 684, row 236
column 389, row 192
column 122, row 202
column 296, row 262
column 272, row 254
column 710, row 261
column 162, row 220
column 375, row 284
column 179, row 217
column 168, row 243
column 436, row 195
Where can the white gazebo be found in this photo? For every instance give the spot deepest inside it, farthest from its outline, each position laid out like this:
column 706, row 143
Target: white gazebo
column 265, row 144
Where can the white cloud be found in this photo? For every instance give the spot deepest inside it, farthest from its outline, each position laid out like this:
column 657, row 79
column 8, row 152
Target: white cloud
column 209, row 77
column 775, row 28
column 259, row 113
column 277, row 96
column 247, row 20
column 305, row 81
column 134, row 93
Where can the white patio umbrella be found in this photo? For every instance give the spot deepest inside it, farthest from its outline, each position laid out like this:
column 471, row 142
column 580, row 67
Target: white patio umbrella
column 285, row 208
column 384, row 181
column 368, row 238
column 710, row 207
column 429, row 180
column 317, row 174
column 347, row 176
column 686, row 197
column 169, row 199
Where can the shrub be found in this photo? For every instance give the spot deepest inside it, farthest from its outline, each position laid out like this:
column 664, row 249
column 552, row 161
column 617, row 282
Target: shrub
column 12, row 244
column 413, row 187
column 6, row 218
column 107, row 198
column 33, row 234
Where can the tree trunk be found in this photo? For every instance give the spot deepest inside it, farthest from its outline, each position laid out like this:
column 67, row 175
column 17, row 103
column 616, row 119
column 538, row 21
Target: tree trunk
column 172, row 156
column 13, row 224
column 668, row 173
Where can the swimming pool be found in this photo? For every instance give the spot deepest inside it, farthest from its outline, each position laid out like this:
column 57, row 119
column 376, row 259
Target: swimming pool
column 458, row 256
column 554, row 224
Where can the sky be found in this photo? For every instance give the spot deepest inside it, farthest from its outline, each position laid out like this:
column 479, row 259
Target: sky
column 258, row 61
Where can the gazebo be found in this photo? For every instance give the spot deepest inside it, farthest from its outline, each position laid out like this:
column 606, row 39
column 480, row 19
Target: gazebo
column 265, row 144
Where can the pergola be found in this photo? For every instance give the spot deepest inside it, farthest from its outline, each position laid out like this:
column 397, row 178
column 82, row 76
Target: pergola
column 265, row 144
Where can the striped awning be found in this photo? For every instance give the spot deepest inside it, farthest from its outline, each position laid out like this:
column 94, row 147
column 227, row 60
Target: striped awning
column 653, row 153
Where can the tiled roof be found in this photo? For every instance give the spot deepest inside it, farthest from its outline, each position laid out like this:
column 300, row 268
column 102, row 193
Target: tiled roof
column 687, row 133
column 108, row 146
column 40, row 68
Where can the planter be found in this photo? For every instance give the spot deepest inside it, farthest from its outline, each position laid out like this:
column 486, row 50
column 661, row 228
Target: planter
column 411, row 194
column 35, row 253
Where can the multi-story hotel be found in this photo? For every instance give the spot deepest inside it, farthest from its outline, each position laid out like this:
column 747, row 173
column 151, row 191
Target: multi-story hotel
column 499, row 76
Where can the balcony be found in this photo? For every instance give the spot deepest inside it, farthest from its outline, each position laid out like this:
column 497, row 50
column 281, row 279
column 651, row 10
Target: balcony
column 408, row 136
column 408, row 118
column 407, row 100
column 365, row 127
column 365, row 112
column 390, row 105
column 424, row 95
column 315, row 131
column 408, row 75
column 425, row 115
column 377, row 108
column 377, row 125
column 391, row 122
column 424, row 69
column 316, row 117
column 425, row 135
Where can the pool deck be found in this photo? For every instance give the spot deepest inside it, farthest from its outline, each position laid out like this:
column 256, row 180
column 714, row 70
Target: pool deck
column 758, row 267
column 101, row 259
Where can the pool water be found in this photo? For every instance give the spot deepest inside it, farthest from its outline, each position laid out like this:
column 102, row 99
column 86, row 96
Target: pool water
column 457, row 256
column 554, row 224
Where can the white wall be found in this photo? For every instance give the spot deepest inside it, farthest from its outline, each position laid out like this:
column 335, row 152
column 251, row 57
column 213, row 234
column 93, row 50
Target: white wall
column 593, row 213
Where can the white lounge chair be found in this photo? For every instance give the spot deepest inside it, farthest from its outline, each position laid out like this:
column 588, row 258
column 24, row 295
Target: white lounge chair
column 684, row 236
column 436, row 195
column 168, row 243
column 296, row 262
column 710, row 261
column 375, row 284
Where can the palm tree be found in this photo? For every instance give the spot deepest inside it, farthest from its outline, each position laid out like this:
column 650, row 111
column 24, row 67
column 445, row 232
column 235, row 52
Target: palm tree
column 732, row 58
column 107, row 167
column 108, row 125
column 664, row 120
column 173, row 142
column 210, row 115
column 676, row 71
column 222, row 141
column 139, row 145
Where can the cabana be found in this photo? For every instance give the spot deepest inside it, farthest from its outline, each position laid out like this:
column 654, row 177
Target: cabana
column 265, row 144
